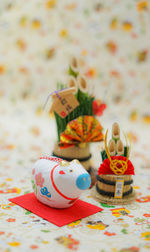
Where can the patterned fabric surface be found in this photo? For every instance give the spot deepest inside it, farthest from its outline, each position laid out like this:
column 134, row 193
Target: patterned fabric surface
column 111, row 39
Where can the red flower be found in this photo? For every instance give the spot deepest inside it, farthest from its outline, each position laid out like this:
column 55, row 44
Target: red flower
column 33, row 246
column 146, row 215
column 109, row 234
column 144, row 199
column 112, row 47
column 98, row 107
column 11, row 220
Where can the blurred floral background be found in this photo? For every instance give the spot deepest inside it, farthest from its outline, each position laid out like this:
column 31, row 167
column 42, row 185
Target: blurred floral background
column 37, row 40
column 111, row 39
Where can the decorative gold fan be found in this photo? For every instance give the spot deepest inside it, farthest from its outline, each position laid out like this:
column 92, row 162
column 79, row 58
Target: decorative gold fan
column 82, row 129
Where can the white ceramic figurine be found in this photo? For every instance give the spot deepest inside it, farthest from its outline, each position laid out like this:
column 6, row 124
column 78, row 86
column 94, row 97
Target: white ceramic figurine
column 58, row 183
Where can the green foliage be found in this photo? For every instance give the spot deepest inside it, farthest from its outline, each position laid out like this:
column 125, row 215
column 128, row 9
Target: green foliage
column 71, row 72
column 33, row 184
column 85, row 108
column 107, row 206
column 124, row 231
column 45, row 231
column 27, row 212
column 26, row 192
column 125, row 151
column 61, row 85
column 81, row 96
column 104, row 155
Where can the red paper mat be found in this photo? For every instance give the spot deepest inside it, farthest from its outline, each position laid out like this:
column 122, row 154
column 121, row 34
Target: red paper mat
column 59, row 217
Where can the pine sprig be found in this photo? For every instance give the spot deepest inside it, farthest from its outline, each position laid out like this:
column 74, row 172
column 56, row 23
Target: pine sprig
column 85, row 108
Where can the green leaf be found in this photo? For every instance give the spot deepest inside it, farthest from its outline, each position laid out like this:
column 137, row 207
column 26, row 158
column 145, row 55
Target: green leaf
column 45, row 231
column 103, row 155
column 27, row 212
column 60, row 86
column 20, row 162
column 86, row 12
column 27, row 192
column 124, row 231
column 105, row 205
column 71, row 72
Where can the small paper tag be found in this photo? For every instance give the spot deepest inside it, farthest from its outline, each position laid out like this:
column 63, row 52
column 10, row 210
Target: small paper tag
column 64, row 103
column 119, row 189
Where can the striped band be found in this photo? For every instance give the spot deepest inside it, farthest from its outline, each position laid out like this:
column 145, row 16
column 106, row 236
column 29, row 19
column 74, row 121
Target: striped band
column 111, row 194
column 109, row 182
column 70, row 159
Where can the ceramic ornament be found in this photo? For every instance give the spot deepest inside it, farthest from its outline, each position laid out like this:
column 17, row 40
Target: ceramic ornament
column 58, row 183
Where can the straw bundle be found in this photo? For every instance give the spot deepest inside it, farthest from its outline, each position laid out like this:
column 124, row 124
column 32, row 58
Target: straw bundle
column 75, row 152
column 106, row 186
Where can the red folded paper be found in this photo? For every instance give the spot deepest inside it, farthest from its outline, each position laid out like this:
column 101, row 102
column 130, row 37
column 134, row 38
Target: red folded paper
column 59, row 217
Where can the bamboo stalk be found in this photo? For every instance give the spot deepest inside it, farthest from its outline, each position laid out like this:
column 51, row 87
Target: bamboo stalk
column 74, row 68
column 82, row 88
column 73, row 84
column 82, row 84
